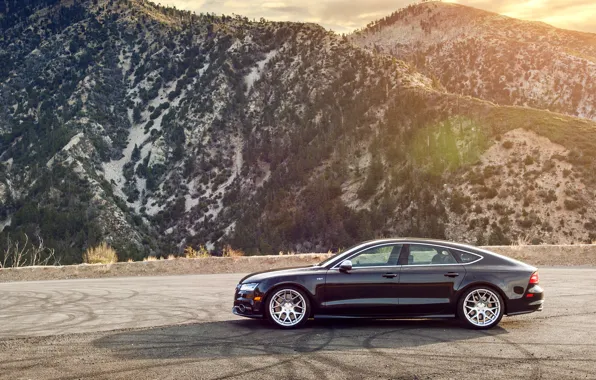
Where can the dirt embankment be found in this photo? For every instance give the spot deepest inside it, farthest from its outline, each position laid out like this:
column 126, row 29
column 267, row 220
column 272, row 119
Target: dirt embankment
column 543, row 255
column 181, row 266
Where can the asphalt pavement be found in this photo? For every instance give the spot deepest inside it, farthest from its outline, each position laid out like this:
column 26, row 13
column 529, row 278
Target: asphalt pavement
column 181, row 327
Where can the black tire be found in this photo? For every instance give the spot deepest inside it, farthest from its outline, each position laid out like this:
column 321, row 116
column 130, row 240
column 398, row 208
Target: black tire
column 306, row 310
column 481, row 324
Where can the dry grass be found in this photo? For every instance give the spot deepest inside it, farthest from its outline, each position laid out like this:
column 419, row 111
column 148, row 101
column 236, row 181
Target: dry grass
column 228, row 251
column 101, row 254
column 171, row 257
column 191, row 253
column 523, row 241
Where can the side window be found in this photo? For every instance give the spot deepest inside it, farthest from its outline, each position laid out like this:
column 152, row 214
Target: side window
column 377, row 256
column 428, row 255
column 465, row 257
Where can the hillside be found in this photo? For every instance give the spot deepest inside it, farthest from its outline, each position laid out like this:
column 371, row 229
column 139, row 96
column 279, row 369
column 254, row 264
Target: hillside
column 490, row 56
column 155, row 129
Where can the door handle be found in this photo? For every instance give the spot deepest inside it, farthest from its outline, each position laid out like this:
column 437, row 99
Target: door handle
column 451, row 274
column 390, row 275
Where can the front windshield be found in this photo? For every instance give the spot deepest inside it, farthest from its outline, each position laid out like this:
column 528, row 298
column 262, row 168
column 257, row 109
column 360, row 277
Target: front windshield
column 334, row 257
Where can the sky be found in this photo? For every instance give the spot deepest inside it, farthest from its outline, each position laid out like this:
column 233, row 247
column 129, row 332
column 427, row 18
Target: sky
column 343, row 16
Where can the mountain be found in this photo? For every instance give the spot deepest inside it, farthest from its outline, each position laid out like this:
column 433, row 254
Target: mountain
column 155, row 129
column 491, row 56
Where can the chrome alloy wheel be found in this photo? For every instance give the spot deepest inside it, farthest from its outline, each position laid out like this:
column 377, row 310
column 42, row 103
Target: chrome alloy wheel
column 287, row 307
column 482, row 307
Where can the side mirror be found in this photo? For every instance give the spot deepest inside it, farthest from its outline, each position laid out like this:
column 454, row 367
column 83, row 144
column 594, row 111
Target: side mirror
column 345, row 266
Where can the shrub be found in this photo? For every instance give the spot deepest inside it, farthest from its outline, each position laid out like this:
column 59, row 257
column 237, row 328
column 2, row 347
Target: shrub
column 497, row 237
column 192, row 253
column 228, row 251
column 374, row 178
column 504, row 193
column 525, row 222
column 490, row 171
column 101, row 254
column 500, row 208
column 528, row 200
column 529, row 160
column 458, row 203
column 507, row 144
column 488, row 192
column 551, row 196
column 591, row 225
column 480, row 239
column 572, row 204
column 548, row 166
column 476, row 178
column 21, row 252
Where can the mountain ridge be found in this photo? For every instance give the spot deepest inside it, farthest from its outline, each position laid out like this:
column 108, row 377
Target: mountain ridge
column 155, row 129
column 490, row 56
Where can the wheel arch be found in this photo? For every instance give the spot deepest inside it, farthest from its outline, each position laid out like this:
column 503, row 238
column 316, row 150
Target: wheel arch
column 489, row 285
column 280, row 285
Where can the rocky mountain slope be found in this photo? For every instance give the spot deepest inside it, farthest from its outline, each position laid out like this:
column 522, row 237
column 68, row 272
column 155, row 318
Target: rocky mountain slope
column 490, row 56
column 155, row 129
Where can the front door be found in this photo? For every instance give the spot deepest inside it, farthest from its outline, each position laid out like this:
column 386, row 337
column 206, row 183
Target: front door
column 429, row 278
column 369, row 288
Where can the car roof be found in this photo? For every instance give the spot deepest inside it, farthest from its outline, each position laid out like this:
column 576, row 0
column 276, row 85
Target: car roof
column 423, row 240
column 495, row 258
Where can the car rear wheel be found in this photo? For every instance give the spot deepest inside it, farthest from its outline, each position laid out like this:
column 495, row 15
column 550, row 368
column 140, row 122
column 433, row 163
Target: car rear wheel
column 288, row 307
column 481, row 308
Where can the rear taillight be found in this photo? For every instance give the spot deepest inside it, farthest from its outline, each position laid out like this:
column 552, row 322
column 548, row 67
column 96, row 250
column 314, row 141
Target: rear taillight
column 534, row 278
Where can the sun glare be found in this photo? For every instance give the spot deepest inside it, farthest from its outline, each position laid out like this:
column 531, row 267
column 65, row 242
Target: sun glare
column 559, row 13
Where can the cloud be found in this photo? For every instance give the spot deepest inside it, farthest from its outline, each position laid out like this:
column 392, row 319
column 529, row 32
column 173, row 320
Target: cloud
column 347, row 15
column 354, row 10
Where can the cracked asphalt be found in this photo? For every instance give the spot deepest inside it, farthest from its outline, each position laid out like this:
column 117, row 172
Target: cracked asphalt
column 181, row 327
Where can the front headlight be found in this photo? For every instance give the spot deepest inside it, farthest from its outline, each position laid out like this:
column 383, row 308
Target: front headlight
column 248, row 287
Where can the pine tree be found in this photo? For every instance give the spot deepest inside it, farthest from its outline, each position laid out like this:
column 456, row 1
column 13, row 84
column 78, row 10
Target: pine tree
column 136, row 154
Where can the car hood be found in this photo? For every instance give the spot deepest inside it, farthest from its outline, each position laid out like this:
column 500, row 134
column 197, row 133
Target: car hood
column 261, row 276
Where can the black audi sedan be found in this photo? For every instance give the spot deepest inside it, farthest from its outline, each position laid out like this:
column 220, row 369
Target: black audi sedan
column 395, row 278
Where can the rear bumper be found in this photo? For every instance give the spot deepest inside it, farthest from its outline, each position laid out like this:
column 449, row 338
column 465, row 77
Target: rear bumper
column 532, row 301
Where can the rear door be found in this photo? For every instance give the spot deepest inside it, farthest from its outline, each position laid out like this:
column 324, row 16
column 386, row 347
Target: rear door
column 428, row 281
column 369, row 289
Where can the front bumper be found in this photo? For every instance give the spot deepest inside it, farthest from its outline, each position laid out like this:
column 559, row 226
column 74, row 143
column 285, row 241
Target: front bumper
column 240, row 311
column 248, row 304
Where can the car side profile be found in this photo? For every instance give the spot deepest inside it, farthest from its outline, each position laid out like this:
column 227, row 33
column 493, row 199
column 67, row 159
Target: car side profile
column 395, row 278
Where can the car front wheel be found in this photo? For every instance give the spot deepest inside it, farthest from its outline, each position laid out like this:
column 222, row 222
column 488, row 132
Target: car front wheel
column 288, row 307
column 481, row 308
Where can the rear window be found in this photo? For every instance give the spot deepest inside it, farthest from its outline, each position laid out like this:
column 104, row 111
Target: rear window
column 429, row 255
column 465, row 257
